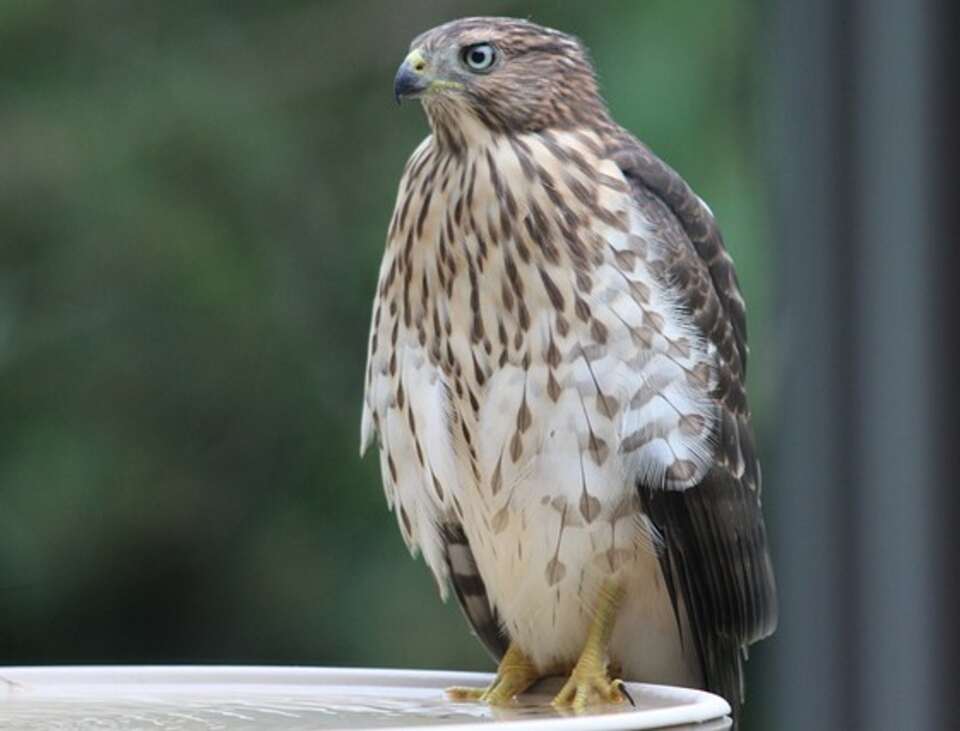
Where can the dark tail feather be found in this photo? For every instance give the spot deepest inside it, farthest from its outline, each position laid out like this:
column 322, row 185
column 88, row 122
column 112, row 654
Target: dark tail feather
column 471, row 593
column 723, row 670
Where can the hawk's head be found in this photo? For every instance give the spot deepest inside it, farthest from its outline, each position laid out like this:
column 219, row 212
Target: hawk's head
column 510, row 75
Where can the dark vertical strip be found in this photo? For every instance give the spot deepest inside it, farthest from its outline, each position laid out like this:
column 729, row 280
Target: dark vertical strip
column 944, row 155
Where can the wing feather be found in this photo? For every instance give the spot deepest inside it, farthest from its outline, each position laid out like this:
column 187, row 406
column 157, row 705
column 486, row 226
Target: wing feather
column 714, row 553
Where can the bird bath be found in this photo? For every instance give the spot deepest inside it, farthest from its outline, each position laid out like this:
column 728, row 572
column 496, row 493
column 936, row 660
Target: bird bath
column 190, row 698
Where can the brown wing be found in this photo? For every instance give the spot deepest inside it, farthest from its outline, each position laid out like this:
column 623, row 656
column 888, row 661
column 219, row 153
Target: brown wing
column 471, row 592
column 714, row 553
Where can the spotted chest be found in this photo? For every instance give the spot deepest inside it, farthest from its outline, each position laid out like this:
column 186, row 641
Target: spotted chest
column 528, row 365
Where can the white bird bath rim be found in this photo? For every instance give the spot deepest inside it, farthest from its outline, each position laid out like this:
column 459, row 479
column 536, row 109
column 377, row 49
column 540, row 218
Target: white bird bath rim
column 188, row 698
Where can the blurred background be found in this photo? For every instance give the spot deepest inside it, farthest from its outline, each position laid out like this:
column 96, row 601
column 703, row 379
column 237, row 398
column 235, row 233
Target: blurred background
column 193, row 203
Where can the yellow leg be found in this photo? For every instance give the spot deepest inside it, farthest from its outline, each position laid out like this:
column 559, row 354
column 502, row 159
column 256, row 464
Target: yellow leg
column 589, row 683
column 514, row 675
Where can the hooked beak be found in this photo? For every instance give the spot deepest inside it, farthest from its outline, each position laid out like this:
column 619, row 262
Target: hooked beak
column 411, row 79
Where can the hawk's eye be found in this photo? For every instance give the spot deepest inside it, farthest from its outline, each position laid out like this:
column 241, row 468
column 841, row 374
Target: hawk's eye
column 479, row 57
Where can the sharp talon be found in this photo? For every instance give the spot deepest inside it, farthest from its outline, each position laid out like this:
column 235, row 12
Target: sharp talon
column 588, row 686
column 622, row 687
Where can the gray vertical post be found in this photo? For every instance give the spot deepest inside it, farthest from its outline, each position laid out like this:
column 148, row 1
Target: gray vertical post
column 808, row 494
column 853, row 501
column 895, row 439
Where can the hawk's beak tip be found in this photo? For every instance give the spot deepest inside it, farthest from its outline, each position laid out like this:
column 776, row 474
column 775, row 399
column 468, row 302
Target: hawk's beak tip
column 408, row 82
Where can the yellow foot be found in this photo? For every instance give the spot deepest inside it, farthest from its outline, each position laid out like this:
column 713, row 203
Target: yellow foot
column 589, row 683
column 589, row 687
column 515, row 674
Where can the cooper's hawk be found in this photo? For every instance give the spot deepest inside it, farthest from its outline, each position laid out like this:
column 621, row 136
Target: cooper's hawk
column 556, row 380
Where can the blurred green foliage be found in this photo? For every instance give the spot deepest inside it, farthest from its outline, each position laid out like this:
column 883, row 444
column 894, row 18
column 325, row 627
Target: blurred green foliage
column 193, row 200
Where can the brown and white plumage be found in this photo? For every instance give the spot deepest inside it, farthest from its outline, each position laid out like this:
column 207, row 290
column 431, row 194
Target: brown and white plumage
column 556, row 373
